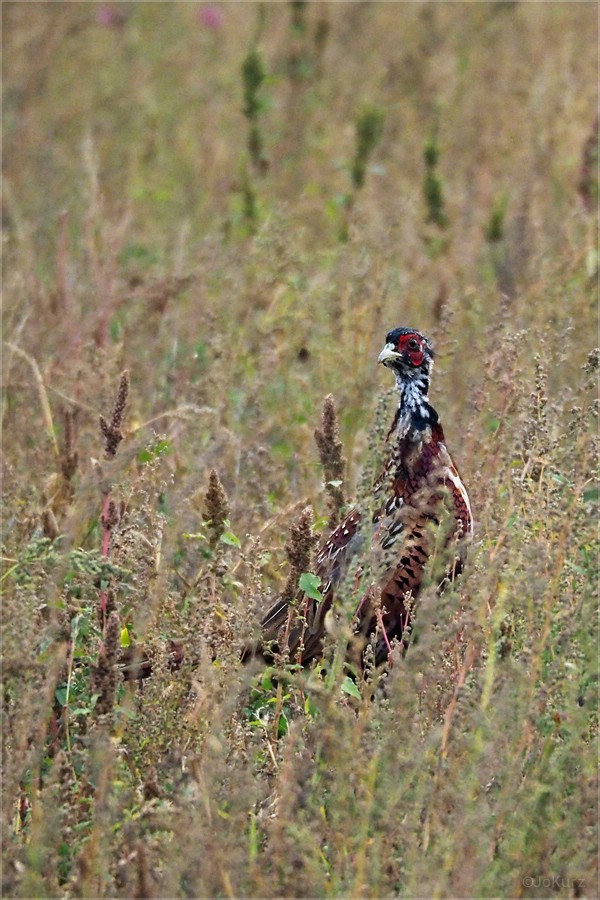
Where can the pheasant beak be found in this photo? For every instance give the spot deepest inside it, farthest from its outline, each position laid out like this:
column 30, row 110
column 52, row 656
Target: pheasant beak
column 388, row 355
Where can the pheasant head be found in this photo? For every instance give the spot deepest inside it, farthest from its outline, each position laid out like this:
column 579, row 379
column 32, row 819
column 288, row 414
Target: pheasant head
column 409, row 354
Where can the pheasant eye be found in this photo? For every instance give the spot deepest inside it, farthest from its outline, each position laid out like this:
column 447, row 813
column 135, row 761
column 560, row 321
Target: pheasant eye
column 413, row 344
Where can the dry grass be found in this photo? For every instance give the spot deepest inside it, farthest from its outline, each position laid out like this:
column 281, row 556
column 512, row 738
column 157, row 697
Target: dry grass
column 240, row 269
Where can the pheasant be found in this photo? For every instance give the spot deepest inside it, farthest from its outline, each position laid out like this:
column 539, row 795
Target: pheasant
column 418, row 488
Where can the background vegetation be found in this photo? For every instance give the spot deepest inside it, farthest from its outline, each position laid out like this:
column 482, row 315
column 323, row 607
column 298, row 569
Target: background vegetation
column 233, row 203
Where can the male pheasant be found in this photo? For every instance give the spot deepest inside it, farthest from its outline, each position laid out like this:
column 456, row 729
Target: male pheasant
column 418, row 488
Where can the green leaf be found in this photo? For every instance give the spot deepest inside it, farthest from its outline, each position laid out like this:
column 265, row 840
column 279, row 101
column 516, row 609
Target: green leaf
column 84, row 627
column 154, row 451
column 337, row 482
column 349, row 687
column 125, row 639
column 266, row 682
column 283, row 725
column 229, row 538
column 310, row 709
column 309, row 584
column 61, row 695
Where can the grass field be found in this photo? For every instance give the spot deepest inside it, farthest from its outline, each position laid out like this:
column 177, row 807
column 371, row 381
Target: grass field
column 233, row 203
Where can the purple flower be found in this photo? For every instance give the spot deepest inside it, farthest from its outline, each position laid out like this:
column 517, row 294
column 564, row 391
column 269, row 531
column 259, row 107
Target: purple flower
column 211, row 16
column 110, row 16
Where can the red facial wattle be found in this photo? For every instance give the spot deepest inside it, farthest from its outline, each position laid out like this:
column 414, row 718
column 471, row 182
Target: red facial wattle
column 411, row 345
